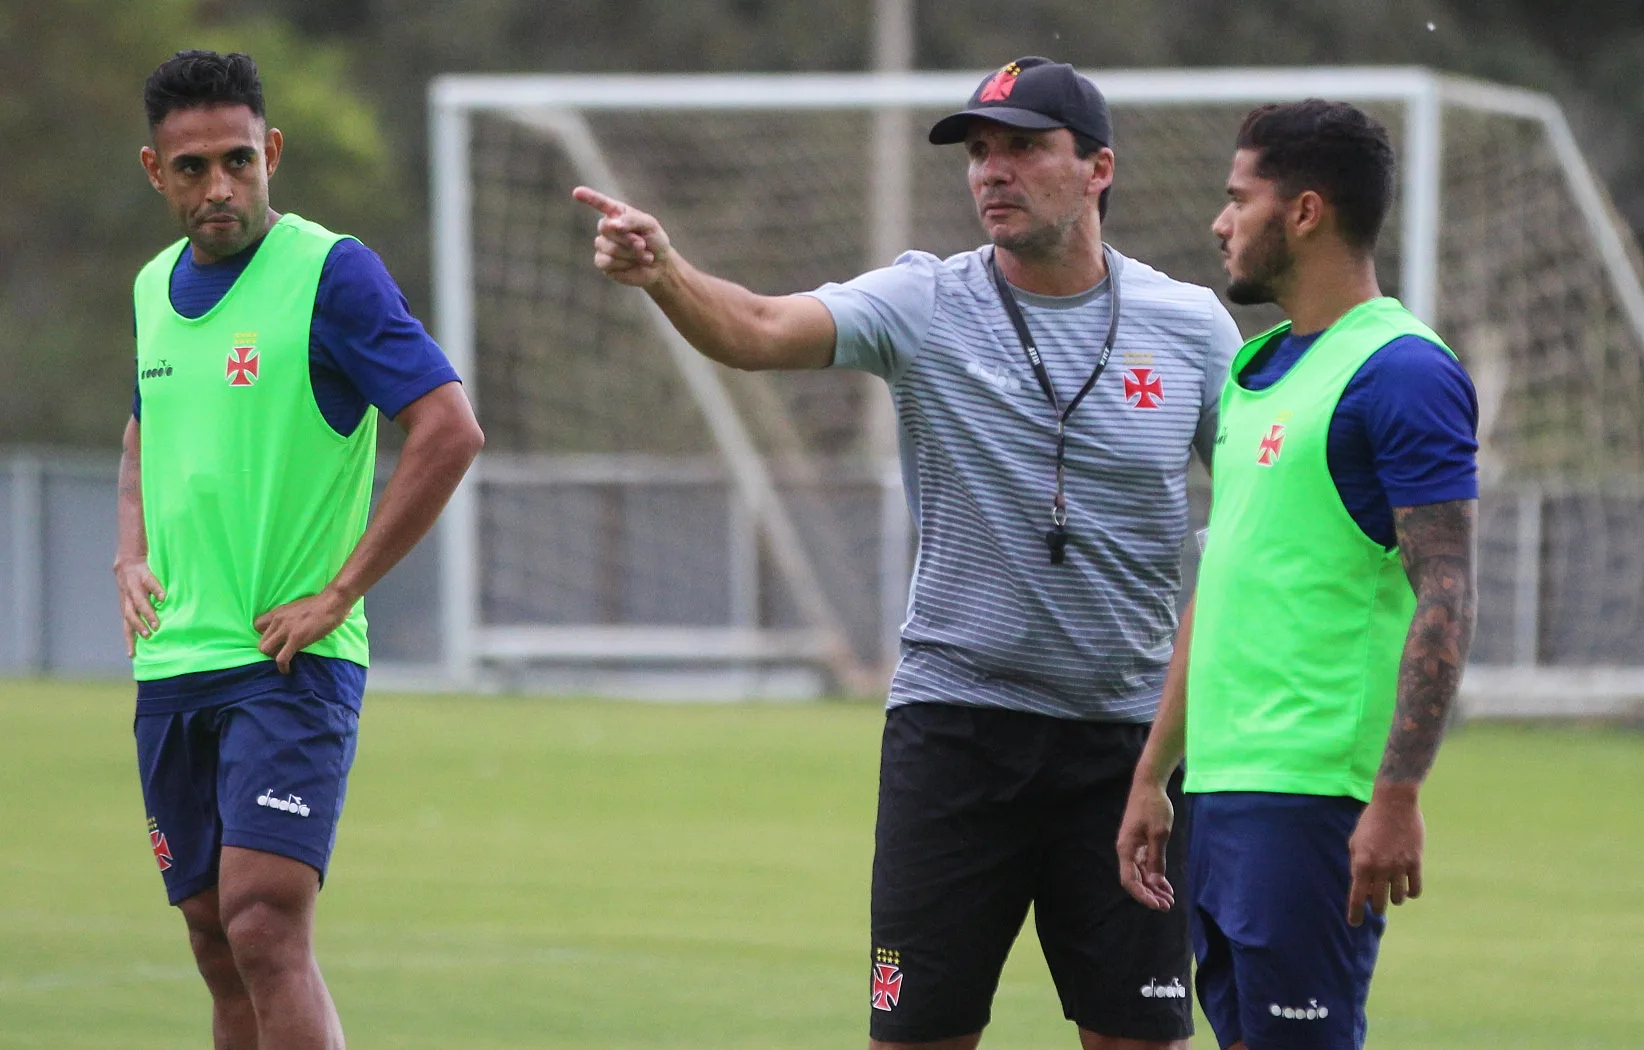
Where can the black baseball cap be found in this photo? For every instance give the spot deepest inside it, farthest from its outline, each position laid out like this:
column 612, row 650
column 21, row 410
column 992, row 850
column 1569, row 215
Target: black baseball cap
column 1036, row 93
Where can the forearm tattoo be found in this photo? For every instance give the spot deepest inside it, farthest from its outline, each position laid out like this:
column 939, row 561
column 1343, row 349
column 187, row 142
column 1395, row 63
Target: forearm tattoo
column 1437, row 543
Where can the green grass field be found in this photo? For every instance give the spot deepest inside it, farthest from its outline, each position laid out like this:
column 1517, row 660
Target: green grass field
column 538, row 873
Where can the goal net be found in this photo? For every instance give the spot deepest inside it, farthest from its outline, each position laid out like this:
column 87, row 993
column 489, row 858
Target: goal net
column 639, row 510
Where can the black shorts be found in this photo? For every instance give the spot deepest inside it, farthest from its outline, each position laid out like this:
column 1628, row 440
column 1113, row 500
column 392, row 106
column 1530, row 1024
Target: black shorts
column 983, row 812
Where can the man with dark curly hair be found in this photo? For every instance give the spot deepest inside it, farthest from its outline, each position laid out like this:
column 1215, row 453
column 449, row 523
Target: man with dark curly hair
column 266, row 345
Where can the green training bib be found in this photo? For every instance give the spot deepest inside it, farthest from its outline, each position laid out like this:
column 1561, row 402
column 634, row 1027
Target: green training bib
column 250, row 498
column 1300, row 618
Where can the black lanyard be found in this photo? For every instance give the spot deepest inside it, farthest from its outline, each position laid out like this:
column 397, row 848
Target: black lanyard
column 1056, row 538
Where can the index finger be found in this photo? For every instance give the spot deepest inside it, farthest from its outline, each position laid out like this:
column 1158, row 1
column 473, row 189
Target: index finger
column 283, row 659
column 1356, row 895
column 138, row 611
column 1379, row 892
column 1131, row 878
column 1156, row 843
column 595, row 199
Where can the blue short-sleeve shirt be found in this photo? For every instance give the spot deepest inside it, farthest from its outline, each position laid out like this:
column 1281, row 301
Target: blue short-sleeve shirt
column 1404, row 431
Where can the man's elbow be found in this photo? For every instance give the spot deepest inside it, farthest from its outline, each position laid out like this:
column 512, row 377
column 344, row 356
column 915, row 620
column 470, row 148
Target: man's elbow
column 466, row 440
column 454, row 440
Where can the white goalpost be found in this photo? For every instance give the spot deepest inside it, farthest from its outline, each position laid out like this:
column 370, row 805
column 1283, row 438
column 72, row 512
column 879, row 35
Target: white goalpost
column 644, row 520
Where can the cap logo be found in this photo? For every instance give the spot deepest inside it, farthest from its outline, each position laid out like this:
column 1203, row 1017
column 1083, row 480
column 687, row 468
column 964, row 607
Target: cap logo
column 1003, row 83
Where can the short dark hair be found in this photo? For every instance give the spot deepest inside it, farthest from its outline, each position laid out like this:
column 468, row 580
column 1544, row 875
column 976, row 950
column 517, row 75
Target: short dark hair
column 1332, row 148
column 202, row 78
column 1084, row 146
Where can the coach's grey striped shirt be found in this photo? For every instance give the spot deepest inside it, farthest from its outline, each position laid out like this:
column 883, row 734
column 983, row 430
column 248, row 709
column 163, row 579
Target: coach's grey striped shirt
column 990, row 621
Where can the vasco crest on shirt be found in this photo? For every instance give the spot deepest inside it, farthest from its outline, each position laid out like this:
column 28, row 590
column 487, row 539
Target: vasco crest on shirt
column 1144, row 384
column 243, row 360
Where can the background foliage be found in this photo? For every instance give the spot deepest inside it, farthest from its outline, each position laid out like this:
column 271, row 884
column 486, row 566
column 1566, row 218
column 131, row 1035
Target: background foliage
column 346, row 81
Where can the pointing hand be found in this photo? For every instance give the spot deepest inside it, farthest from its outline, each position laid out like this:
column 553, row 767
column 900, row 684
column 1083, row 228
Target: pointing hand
column 631, row 247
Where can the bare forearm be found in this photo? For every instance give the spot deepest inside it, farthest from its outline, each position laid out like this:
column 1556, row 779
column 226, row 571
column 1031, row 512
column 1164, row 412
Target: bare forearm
column 1437, row 544
column 428, row 472
column 722, row 320
column 740, row 328
column 132, row 539
column 1168, row 738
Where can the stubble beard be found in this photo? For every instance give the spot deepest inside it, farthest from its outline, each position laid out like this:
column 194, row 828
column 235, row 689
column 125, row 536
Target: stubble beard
column 1043, row 241
column 251, row 226
column 1266, row 260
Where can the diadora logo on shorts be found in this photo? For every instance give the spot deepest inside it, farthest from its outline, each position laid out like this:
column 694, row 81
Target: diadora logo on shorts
column 887, row 978
column 289, row 804
column 243, row 360
column 158, row 370
column 157, row 843
column 1174, row 990
column 1311, row 1012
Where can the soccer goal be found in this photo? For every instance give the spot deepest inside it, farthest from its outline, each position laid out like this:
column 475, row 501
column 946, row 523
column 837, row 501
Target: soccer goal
column 640, row 511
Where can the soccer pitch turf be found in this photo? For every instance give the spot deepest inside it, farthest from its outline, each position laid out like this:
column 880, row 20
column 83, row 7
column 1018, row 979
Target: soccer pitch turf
column 541, row 873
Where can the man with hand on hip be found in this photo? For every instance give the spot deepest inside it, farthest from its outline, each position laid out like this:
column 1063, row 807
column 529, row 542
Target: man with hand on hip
column 266, row 345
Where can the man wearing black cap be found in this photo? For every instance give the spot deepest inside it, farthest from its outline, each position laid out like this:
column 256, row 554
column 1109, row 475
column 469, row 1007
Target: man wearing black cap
column 1049, row 392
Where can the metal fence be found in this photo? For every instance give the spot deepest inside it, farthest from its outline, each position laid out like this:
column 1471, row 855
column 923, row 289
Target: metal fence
column 57, row 538
column 1561, row 603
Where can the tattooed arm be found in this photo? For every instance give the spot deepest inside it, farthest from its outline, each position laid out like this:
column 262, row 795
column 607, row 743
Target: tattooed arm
column 1437, row 543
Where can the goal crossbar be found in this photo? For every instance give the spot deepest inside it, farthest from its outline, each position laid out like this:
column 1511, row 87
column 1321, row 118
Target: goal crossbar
column 557, row 104
column 878, row 90
column 1422, row 88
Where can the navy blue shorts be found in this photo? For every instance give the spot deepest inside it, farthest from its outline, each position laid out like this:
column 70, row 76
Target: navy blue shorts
column 267, row 772
column 1278, row 965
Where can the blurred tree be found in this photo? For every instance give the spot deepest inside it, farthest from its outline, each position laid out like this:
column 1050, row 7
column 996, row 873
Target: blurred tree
column 1591, row 63
column 74, row 226
column 79, row 216
column 402, row 44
